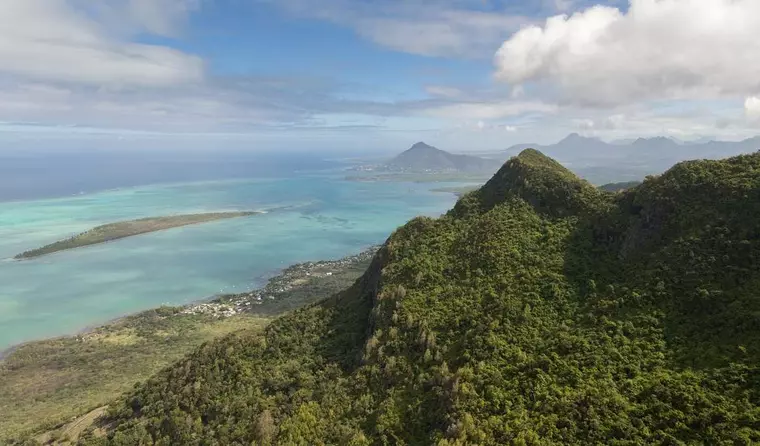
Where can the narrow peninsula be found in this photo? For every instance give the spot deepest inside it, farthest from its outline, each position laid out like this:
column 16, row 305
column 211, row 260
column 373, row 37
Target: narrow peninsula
column 123, row 229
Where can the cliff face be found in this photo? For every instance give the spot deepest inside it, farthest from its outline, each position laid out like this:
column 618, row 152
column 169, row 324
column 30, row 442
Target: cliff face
column 540, row 310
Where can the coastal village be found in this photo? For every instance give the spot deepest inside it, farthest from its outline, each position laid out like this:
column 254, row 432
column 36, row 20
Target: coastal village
column 292, row 277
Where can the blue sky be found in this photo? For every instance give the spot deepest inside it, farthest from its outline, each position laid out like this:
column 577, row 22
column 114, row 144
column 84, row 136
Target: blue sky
column 363, row 74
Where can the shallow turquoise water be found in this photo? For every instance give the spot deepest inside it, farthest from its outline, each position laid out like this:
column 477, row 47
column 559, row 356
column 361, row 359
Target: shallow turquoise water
column 311, row 217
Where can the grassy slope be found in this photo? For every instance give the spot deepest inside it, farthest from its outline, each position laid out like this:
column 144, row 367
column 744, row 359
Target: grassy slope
column 44, row 384
column 115, row 231
column 539, row 311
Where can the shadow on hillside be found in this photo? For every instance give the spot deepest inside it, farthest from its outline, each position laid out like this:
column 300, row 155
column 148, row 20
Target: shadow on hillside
column 703, row 289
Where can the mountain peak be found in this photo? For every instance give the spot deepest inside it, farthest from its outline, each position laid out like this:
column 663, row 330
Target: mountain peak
column 422, row 157
column 575, row 137
column 541, row 181
column 657, row 140
column 422, row 146
column 536, row 157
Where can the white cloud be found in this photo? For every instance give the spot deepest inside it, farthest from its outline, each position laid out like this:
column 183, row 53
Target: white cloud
column 191, row 109
column 163, row 17
column 608, row 123
column 613, row 122
column 657, row 49
column 563, row 5
column 487, row 111
column 752, row 107
column 481, row 127
column 439, row 28
column 74, row 65
column 435, row 32
column 584, row 124
column 61, row 41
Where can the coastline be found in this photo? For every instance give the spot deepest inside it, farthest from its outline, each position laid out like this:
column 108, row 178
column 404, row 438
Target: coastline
column 411, row 177
column 315, row 217
column 129, row 228
column 457, row 191
column 47, row 384
column 283, row 281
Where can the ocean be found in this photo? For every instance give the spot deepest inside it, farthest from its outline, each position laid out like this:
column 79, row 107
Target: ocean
column 312, row 213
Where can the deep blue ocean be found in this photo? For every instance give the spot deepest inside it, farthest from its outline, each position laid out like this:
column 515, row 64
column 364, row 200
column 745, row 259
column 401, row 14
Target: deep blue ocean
column 313, row 213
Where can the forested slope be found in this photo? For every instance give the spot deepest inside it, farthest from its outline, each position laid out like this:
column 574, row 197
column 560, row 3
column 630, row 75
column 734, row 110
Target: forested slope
column 540, row 310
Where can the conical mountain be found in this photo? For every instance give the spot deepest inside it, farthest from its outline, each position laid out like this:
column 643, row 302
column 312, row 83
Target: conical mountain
column 423, row 157
column 539, row 180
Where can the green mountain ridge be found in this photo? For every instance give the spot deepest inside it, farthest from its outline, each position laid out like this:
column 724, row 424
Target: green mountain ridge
column 540, row 310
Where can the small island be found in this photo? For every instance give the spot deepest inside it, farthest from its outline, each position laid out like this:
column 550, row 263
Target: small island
column 122, row 229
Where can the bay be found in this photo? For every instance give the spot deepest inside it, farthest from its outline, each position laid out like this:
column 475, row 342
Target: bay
column 309, row 216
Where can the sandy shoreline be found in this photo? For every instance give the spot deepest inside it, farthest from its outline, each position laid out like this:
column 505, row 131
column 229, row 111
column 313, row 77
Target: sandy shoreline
column 129, row 228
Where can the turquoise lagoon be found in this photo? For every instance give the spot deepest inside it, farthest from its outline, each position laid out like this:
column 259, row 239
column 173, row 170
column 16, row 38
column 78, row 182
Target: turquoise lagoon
column 309, row 217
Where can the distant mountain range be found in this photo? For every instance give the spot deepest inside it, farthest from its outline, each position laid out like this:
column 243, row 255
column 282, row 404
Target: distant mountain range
column 598, row 161
column 422, row 157
column 575, row 146
column 601, row 162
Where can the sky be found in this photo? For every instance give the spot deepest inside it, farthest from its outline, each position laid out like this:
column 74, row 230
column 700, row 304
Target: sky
column 356, row 75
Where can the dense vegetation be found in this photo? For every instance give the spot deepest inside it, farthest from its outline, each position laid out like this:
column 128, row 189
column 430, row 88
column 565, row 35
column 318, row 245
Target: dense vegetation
column 46, row 384
column 540, row 310
column 122, row 229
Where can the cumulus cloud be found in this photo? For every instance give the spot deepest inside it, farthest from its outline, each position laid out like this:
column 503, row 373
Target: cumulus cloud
column 438, row 28
column 77, row 64
column 752, row 107
column 61, row 41
column 483, row 127
column 584, row 124
column 613, row 122
column 656, row 49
